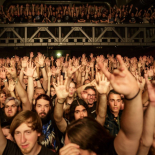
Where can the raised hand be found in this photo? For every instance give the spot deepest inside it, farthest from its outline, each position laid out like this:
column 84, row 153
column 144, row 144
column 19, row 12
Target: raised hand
column 103, row 85
column 41, row 60
column 11, row 85
column 29, row 70
column 31, row 55
column 151, row 90
column 24, row 63
column 12, row 71
column 60, row 88
column 2, row 73
column 71, row 149
column 121, row 80
column 72, row 70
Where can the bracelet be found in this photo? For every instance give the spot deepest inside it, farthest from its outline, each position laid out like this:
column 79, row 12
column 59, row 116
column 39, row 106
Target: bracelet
column 129, row 99
column 60, row 102
column 16, row 80
column 5, row 80
column 42, row 67
column 37, row 79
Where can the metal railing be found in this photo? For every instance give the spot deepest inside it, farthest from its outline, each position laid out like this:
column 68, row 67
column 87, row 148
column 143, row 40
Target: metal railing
column 77, row 34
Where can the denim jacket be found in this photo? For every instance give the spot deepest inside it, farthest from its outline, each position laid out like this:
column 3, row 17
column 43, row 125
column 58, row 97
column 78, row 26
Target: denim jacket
column 112, row 124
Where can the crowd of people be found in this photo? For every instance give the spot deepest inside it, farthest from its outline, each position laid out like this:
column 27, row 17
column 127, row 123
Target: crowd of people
column 42, row 13
column 102, row 105
column 30, row 13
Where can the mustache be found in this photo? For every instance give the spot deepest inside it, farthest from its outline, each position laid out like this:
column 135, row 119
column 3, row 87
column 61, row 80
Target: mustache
column 42, row 113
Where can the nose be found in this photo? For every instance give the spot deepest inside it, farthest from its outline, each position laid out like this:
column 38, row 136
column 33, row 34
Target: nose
column 10, row 108
column 23, row 139
column 42, row 108
column 81, row 115
column 115, row 103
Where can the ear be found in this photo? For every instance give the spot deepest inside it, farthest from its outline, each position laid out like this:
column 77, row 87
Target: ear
column 39, row 134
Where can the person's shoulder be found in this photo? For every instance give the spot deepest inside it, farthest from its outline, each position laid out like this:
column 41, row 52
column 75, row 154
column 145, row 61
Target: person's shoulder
column 46, row 151
column 11, row 148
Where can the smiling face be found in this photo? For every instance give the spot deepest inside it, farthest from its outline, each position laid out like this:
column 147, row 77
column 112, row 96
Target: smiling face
column 91, row 97
column 26, row 138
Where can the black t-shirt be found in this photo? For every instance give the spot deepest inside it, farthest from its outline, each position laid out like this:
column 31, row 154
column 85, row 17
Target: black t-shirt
column 110, row 150
column 38, row 18
column 23, row 18
column 103, row 18
column 30, row 19
column 67, row 18
column 52, row 18
column 92, row 111
column 12, row 149
column 81, row 18
column 16, row 18
column 74, row 19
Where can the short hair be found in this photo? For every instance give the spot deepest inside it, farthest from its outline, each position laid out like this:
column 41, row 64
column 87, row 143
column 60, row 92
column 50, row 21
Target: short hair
column 2, row 92
column 17, row 102
column 90, row 87
column 29, row 117
column 39, row 88
column 74, row 104
column 85, row 81
column 89, row 135
column 113, row 92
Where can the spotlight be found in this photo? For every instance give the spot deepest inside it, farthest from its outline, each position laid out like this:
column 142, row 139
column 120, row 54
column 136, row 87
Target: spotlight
column 58, row 54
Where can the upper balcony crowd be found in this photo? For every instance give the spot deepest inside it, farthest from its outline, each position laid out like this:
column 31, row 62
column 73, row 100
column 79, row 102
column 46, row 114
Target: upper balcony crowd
column 34, row 13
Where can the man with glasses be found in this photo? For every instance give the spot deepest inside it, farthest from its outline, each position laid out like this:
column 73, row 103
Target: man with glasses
column 91, row 100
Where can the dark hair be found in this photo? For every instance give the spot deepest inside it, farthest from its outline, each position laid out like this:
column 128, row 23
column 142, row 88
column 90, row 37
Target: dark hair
column 113, row 92
column 85, row 81
column 89, row 135
column 45, row 97
column 90, row 87
column 29, row 117
column 74, row 104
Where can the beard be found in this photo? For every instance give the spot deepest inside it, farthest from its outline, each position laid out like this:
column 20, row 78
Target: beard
column 46, row 117
column 9, row 119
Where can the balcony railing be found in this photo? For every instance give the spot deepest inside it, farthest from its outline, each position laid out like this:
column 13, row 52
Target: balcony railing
column 77, row 34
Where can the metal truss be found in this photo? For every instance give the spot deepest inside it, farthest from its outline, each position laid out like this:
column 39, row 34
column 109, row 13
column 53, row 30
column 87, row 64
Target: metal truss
column 88, row 34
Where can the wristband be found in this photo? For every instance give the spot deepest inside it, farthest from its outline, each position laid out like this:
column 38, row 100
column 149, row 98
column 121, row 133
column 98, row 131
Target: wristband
column 58, row 101
column 42, row 67
column 37, row 79
column 5, row 80
column 129, row 99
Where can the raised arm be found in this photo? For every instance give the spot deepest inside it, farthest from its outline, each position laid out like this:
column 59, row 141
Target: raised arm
column 3, row 140
column 42, row 67
column 20, row 90
column 29, row 72
column 62, row 94
column 149, row 121
column 102, row 89
column 127, row 140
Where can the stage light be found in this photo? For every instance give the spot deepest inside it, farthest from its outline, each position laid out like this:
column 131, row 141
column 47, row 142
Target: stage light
column 58, row 54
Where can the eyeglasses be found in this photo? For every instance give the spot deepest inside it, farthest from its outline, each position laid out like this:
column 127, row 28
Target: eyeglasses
column 91, row 95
